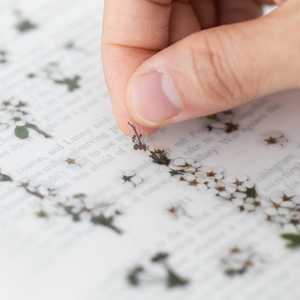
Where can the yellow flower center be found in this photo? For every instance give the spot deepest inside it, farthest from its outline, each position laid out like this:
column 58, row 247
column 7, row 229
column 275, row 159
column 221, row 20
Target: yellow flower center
column 70, row 161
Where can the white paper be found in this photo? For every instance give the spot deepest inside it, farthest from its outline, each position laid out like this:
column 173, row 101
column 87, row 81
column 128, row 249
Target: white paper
column 56, row 258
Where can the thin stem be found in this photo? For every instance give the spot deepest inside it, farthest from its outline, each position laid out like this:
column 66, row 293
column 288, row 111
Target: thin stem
column 38, row 130
column 36, row 194
column 137, row 136
column 114, row 228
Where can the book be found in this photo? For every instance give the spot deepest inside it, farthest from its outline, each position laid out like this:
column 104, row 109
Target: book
column 85, row 216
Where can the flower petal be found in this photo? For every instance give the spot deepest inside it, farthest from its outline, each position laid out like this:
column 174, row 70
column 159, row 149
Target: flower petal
column 179, row 161
column 20, row 123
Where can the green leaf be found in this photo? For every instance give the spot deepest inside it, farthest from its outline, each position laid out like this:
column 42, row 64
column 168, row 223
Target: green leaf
column 21, row 132
column 76, row 217
column 136, row 147
column 174, row 280
column 59, row 81
column 293, row 238
column 4, row 177
column 251, row 193
column 101, row 219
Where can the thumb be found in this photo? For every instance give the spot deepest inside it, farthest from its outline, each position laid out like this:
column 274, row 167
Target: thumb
column 217, row 69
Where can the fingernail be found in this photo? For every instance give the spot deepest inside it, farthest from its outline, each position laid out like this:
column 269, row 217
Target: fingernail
column 154, row 98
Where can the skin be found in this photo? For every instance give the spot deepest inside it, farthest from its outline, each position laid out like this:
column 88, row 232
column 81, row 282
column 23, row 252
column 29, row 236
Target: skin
column 212, row 67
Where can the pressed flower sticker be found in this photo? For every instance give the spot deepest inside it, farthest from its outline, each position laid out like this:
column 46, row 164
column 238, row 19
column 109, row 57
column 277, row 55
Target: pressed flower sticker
column 12, row 114
column 139, row 275
column 223, row 121
column 274, row 140
column 177, row 210
column 52, row 72
column 23, row 24
column 72, row 162
column 239, row 261
column 128, row 179
column 157, row 155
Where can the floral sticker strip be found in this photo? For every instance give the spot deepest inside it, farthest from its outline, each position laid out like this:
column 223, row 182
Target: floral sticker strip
column 53, row 73
column 281, row 208
column 139, row 275
column 223, row 121
column 240, row 261
column 23, row 24
column 79, row 207
column 12, row 114
column 273, row 140
column 158, row 155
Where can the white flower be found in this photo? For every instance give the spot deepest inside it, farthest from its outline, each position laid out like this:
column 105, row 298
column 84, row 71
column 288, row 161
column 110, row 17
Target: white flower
column 192, row 182
column 188, row 165
column 288, row 195
column 247, row 204
column 280, row 203
column 221, row 188
column 72, row 161
column 214, row 173
column 241, row 182
column 129, row 179
column 176, row 209
column 166, row 172
column 26, row 183
column 20, row 119
column 273, row 140
column 47, row 190
column 11, row 105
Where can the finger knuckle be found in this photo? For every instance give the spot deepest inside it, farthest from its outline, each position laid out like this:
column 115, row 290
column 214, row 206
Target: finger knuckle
column 218, row 82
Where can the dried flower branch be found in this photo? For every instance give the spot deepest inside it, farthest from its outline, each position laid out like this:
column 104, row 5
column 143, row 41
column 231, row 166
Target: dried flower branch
column 139, row 275
column 52, row 72
column 239, row 261
column 81, row 207
column 11, row 114
column 158, row 155
column 23, row 24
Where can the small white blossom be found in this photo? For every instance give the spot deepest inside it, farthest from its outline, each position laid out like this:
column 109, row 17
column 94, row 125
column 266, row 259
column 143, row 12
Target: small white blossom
column 72, row 161
column 221, row 188
column 247, row 204
column 26, row 183
column 129, row 179
column 280, row 203
column 188, row 165
column 273, row 140
column 241, row 182
column 20, row 119
column 176, row 210
column 215, row 173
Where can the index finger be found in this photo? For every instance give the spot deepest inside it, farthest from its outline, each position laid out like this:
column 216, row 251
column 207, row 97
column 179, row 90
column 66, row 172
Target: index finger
column 133, row 31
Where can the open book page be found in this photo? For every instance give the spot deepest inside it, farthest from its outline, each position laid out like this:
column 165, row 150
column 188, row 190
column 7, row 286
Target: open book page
column 81, row 209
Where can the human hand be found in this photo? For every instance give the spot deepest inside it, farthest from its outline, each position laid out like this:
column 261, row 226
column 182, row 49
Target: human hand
column 161, row 69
